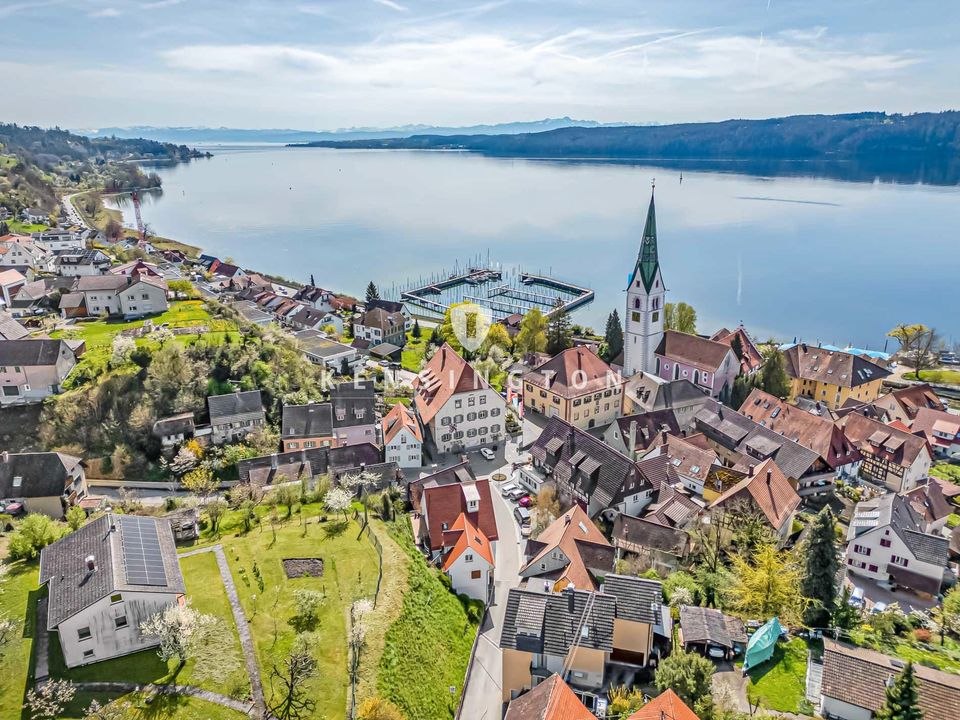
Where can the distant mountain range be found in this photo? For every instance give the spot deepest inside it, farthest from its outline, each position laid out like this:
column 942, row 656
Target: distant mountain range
column 222, row 135
column 867, row 135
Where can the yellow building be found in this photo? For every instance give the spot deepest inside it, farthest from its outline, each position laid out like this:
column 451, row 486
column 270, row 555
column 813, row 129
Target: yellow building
column 578, row 633
column 832, row 377
column 575, row 386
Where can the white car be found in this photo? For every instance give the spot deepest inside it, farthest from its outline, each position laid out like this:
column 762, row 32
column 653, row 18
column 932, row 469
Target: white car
column 508, row 489
column 487, row 453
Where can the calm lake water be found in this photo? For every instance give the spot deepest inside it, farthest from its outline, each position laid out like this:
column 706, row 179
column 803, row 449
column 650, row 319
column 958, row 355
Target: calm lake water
column 808, row 257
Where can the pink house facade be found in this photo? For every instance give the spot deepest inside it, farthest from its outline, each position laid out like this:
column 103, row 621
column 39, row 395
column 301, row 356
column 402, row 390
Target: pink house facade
column 710, row 365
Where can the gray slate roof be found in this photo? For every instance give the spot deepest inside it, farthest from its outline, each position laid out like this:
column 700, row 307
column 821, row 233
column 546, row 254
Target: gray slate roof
column 629, row 530
column 42, row 474
column 585, row 462
column 707, row 625
column 30, row 353
column 738, row 432
column 236, row 403
column 313, row 420
column 547, row 622
column 10, row 329
column 72, row 587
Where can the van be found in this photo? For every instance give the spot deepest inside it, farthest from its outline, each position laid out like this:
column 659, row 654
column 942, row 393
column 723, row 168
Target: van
column 522, row 515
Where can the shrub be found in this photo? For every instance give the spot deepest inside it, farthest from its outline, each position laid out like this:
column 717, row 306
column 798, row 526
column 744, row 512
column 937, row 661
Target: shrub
column 33, row 534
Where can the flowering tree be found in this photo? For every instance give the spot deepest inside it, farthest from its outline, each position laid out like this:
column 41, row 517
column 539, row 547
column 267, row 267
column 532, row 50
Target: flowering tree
column 122, row 348
column 180, row 629
column 50, row 699
column 338, row 500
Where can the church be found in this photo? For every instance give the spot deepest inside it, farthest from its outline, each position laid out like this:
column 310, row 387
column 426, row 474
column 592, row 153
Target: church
column 643, row 321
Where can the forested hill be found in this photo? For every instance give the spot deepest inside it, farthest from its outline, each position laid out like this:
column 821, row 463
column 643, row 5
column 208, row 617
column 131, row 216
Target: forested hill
column 49, row 146
column 802, row 137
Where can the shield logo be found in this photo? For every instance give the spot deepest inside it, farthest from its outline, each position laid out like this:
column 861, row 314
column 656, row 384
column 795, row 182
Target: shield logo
column 471, row 323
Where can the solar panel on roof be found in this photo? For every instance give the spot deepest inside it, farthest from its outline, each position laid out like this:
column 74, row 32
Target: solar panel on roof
column 142, row 557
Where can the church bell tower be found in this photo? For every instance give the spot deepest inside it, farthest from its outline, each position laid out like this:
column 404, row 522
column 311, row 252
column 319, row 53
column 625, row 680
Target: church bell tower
column 643, row 321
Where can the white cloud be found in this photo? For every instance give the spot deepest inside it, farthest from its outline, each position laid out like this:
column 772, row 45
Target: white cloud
column 108, row 12
column 392, row 5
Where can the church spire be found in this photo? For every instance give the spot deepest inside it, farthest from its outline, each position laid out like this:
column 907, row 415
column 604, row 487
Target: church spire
column 647, row 260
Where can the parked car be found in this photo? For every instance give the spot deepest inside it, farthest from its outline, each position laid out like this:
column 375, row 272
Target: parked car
column 517, row 494
column 525, row 501
column 487, row 453
column 522, row 515
column 508, row 489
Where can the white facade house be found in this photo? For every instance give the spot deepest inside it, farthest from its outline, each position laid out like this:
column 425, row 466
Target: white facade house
column 455, row 405
column 643, row 321
column 33, row 368
column 80, row 263
column 120, row 295
column 58, row 241
column 104, row 580
column 470, row 562
column 402, row 437
column 885, row 543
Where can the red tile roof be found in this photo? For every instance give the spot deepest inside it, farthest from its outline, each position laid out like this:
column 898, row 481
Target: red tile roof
column 470, row 539
column 444, row 504
column 833, row 367
column 751, row 359
column 886, row 442
column 666, row 706
column 566, row 533
column 400, row 417
column 692, row 350
column 550, row 700
column 446, row 374
column 574, row 372
column 769, row 489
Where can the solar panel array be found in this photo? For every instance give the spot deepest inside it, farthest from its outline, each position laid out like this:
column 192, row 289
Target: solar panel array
column 142, row 559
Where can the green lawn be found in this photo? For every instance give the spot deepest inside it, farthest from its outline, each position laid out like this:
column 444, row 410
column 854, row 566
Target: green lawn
column 428, row 647
column 21, row 228
column 158, row 708
column 225, row 674
column 350, row 572
column 945, row 658
column 780, row 683
column 17, row 602
column 412, row 356
column 950, row 377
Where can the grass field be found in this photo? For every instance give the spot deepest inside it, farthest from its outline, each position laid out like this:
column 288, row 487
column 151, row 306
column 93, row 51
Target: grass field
column 17, row 602
column 949, row 377
column 780, row 683
column 411, row 358
column 21, row 228
column 157, row 708
column 428, row 647
column 350, row 573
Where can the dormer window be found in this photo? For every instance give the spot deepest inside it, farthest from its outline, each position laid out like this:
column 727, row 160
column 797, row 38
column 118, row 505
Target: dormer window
column 17, row 481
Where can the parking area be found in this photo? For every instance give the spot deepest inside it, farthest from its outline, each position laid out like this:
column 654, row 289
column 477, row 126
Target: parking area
column 873, row 594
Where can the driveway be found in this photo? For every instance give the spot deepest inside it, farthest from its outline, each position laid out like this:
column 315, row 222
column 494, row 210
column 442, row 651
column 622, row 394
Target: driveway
column 482, row 698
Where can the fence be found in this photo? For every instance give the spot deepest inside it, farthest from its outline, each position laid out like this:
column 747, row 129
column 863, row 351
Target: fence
column 365, row 529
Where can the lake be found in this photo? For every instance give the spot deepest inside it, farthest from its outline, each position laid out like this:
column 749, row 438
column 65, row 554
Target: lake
column 790, row 256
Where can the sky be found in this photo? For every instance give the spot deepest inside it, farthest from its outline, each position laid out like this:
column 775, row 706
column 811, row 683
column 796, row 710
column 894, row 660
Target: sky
column 327, row 64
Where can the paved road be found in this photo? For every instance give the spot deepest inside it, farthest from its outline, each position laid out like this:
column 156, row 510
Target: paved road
column 482, row 699
column 67, row 204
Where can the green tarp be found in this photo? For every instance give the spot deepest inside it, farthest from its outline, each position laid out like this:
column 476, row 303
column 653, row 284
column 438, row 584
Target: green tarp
column 762, row 644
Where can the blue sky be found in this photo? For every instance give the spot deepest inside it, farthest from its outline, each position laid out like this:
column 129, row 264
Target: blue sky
column 323, row 64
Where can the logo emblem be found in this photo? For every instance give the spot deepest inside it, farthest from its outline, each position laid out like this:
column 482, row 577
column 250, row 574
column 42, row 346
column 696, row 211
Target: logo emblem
column 471, row 323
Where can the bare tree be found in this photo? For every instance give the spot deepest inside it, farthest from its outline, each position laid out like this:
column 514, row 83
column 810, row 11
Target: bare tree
column 289, row 698
column 917, row 343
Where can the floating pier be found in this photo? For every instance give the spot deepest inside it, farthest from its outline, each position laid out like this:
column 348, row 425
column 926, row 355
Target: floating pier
column 503, row 292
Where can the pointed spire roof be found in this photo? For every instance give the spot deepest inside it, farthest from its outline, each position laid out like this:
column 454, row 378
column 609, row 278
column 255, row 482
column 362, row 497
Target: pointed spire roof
column 647, row 260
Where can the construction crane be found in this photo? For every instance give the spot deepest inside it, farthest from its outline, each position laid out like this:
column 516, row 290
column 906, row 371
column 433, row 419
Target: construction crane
column 141, row 228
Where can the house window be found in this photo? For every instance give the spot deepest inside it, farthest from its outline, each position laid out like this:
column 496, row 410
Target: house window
column 120, row 622
column 474, row 574
column 468, row 557
column 862, row 550
column 872, row 568
column 901, row 561
column 83, row 633
column 656, row 317
column 471, row 401
column 458, row 403
column 443, row 526
column 17, row 481
column 483, row 399
column 87, row 654
column 494, row 412
column 885, row 542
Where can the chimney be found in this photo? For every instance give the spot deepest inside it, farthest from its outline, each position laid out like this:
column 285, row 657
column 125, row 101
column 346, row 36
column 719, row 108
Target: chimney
column 769, row 475
column 750, row 471
column 633, row 440
column 567, row 519
column 91, row 563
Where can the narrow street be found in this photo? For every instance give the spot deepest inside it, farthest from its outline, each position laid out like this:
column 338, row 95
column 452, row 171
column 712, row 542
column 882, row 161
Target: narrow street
column 482, row 699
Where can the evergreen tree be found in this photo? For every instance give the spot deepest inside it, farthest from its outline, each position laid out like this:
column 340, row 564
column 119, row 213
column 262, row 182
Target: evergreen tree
column 416, row 332
column 773, row 374
column 613, row 337
column 436, row 336
column 819, row 584
column 689, row 675
column 737, row 347
column 344, row 367
column 559, row 332
column 4, row 228
column 902, row 702
column 743, row 385
column 372, row 293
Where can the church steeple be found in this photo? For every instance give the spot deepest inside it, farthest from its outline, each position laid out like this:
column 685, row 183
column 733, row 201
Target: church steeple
column 647, row 260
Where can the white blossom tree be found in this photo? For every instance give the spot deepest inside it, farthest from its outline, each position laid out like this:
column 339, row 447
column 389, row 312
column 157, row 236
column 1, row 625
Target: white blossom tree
column 180, row 629
column 121, row 349
column 50, row 699
column 338, row 500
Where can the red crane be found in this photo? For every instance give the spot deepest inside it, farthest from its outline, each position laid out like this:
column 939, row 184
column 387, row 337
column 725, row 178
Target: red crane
column 141, row 228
